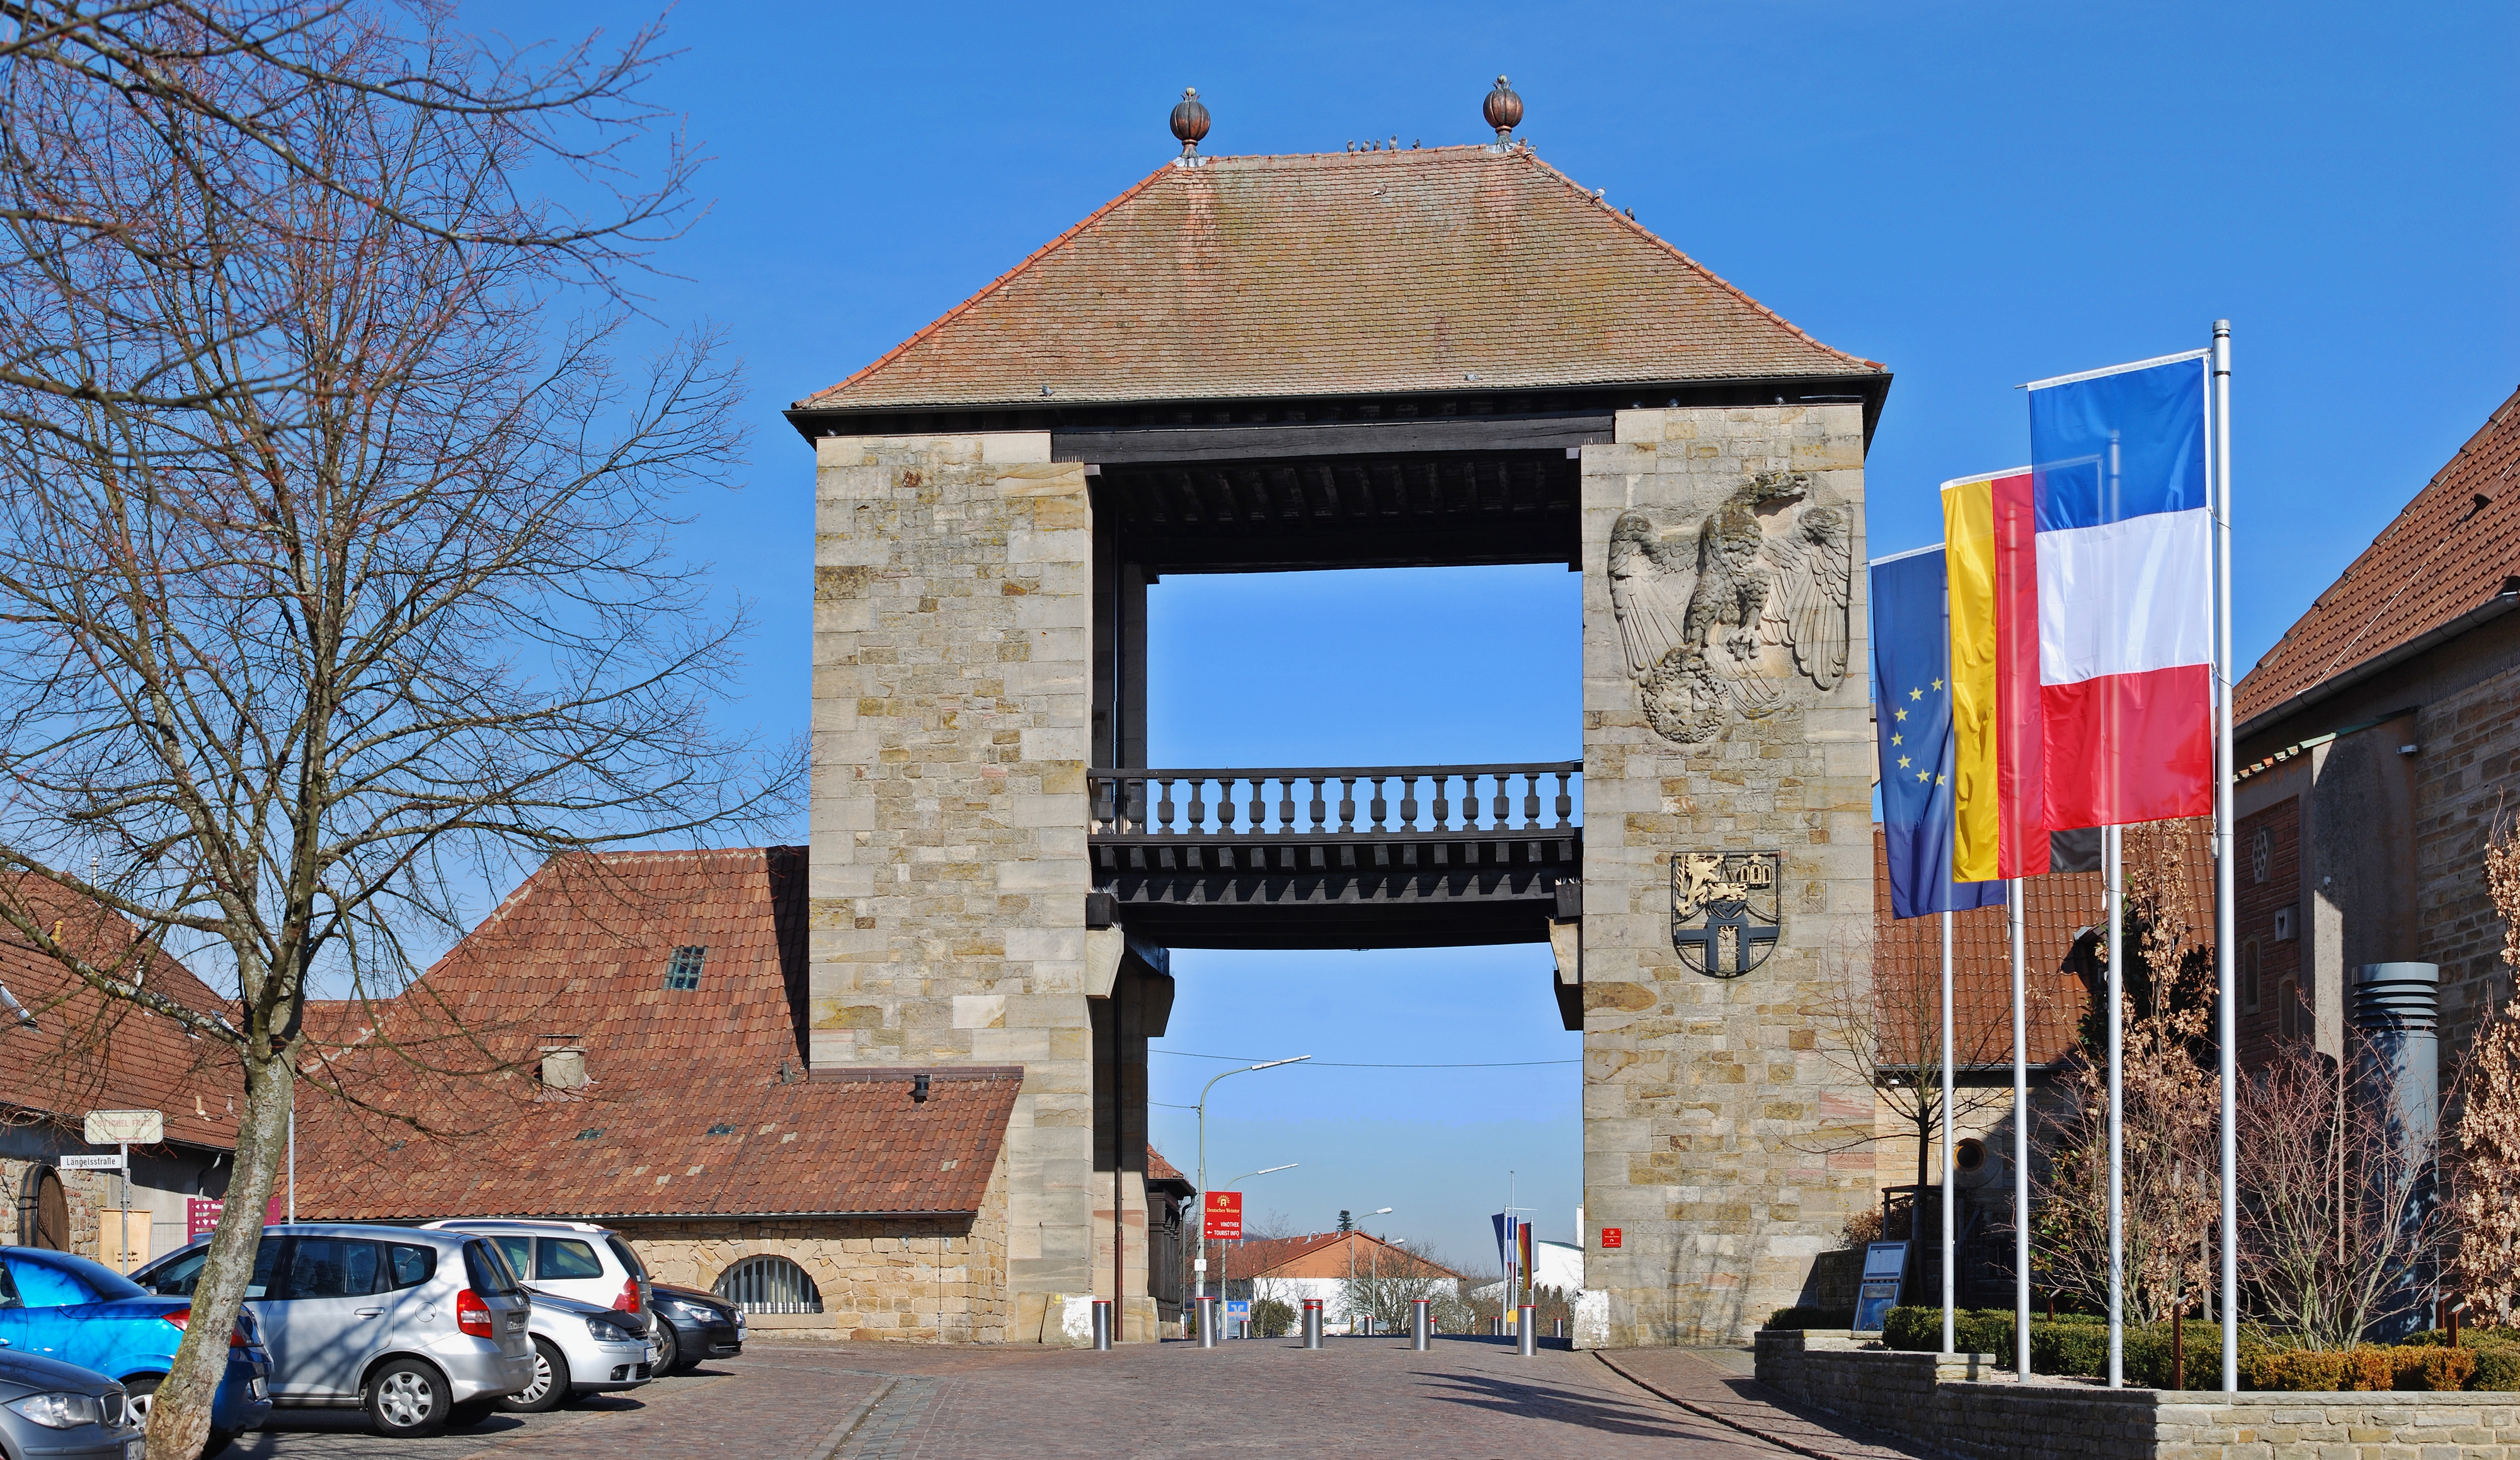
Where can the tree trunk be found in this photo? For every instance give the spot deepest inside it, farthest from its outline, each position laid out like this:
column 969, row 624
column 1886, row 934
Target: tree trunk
column 179, row 1418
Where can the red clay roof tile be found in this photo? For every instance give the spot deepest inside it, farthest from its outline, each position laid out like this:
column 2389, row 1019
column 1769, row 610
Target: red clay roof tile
column 1340, row 274
column 697, row 1101
column 2450, row 551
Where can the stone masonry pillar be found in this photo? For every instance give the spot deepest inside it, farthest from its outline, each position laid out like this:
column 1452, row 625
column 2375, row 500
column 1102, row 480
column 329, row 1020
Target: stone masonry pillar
column 953, row 577
column 1719, row 1137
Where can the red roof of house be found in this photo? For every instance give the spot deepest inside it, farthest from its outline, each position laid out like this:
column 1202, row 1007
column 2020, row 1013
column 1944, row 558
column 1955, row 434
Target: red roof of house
column 1321, row 1254
column 698, row 1100
column 1160, row 1170
column 67, row 1050
column 1449, row 268
column 2451, row 550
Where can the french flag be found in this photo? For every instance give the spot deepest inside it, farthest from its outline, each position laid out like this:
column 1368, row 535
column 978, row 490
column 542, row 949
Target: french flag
column 2082, row 619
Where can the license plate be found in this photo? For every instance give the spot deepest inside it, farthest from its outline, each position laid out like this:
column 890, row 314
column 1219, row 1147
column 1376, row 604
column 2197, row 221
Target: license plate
column 255, row 1388
column 135, row 1449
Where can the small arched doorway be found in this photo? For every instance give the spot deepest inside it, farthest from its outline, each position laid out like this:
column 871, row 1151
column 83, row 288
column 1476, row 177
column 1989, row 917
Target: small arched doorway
column 43, row 1210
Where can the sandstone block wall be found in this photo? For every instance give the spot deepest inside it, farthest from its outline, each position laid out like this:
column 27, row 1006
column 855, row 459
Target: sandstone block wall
column 1709, row 1110
column 2467, row 778
column 952, row 619
column 1966, row 1405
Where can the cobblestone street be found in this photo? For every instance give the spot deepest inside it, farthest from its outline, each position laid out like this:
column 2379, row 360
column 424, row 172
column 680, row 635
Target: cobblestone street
column 1468, row 1397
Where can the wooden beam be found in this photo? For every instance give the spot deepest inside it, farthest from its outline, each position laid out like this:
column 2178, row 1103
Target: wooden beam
column 1104, row 445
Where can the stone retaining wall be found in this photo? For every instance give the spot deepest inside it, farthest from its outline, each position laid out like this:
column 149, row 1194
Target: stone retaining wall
column 1966, row 1405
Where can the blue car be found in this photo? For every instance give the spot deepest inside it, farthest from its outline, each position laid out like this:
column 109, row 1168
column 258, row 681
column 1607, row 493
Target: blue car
column 59, row 1307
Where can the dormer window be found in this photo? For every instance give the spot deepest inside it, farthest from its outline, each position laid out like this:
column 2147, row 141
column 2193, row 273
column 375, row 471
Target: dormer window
column 682, row 970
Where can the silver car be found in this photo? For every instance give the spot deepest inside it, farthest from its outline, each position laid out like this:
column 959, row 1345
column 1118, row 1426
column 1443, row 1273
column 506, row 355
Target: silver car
column 419, row 1328
column 581, row 1348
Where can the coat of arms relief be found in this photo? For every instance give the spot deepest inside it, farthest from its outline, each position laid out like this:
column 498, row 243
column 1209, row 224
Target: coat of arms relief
column 1714, row 612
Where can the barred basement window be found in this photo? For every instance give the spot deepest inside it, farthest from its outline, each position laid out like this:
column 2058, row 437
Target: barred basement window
column 769, row 1285
column 684, row 970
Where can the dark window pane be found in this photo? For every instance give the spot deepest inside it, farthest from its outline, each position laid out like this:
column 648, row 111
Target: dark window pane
column 331, row 1267
column 411, row 1266
column 8, row 1290
column 568, row 1257
column 519, row 1252
column 266, row 1269
column 177, row 1278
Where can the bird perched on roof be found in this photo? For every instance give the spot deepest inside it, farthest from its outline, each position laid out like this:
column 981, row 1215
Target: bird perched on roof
column 1693, row 618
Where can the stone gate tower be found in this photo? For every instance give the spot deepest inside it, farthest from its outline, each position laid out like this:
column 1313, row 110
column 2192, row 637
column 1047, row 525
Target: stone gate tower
column 1447, row 356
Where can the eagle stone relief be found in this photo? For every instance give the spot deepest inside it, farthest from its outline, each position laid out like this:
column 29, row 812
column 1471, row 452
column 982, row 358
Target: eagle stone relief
column 1772, row 567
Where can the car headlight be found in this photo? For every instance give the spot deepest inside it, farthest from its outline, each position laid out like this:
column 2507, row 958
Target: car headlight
column 608, row 1332
column 61, row 1411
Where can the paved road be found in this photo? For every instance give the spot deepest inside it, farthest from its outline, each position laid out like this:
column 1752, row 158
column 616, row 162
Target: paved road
column 1468, row 1397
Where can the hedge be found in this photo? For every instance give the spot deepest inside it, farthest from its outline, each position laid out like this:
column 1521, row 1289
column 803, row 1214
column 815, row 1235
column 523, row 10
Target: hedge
column 2080, row 1344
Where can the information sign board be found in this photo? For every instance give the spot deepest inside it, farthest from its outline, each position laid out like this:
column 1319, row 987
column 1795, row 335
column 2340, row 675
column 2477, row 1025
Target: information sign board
column 1224, row 1212
column 1612, row 1237
column 109, row 1162
column 139, row 1128
column 1237, row 1311
column 202, row 1213
column 1885, row 1264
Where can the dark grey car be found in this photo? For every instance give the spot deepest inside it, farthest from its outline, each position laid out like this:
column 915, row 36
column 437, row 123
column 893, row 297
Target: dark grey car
column 62, row 1412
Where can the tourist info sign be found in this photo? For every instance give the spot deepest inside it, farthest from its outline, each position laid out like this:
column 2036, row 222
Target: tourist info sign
column 1224, row 1217
column 139, row 1128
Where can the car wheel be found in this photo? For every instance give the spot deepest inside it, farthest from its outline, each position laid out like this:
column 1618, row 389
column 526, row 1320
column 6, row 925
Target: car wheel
column 407, row 1399
column 669, row 1350
column 549, row 1385
column 139, row 1396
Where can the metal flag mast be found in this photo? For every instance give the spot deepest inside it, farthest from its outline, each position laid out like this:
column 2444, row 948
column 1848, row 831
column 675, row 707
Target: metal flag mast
column 2020, row 1145
column 2225, row 1065
column 2113, row 871
column 1949, row 1335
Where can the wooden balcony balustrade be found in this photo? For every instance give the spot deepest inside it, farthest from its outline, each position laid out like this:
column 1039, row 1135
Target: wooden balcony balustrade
column 1341, row 857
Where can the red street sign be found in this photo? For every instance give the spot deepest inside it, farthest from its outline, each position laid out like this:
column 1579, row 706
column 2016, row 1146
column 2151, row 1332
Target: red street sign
column 1224, row 1215
column 202, row 1213
column 1610, row 1236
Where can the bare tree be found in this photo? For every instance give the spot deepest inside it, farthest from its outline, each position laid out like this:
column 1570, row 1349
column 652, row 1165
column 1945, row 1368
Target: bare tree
column 333, row 583
column 1390, row 1281
column 2486, row 1186
column 1886, row 1030
column 2170, row 1100
column 2336, row 1217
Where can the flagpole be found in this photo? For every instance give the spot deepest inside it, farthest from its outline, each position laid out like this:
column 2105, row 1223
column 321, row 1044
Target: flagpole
column 1949, row 1335
column 2020, row 1148
column 2225, row 1036
column 2112, row 869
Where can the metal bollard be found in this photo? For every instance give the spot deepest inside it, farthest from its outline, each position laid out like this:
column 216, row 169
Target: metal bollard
column 1102, row 1323
column 1208, row 1336
column 1422, row 1325
column 1312, row 1322
column 1526, row 1329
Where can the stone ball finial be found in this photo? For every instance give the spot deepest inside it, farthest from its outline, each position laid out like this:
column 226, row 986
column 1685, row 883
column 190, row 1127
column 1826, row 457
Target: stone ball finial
column 1504, row 109
column 1190, row 122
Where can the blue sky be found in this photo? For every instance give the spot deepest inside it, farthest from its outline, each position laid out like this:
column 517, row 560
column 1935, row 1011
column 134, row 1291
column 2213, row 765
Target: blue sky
column 1976, row 194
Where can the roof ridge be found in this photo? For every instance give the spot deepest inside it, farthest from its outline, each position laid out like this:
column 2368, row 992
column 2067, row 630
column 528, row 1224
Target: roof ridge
column 1719, row 281
column 993, row 285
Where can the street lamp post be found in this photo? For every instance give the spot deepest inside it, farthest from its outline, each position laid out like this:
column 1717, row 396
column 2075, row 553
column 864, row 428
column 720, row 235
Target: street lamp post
column 1370, row 1266
column 1199, row 1267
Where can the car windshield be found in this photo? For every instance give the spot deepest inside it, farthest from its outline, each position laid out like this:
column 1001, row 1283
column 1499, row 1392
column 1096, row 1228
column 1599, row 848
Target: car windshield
column 58, row 1279
column 629, row 1257
column 487, row 1270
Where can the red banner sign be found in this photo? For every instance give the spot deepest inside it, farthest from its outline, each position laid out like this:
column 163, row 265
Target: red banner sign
column 1224, row 1211
column 1610, row 1236
column 200, row 1214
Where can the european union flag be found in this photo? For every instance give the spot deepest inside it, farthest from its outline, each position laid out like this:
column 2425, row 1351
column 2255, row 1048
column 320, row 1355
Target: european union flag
column 1911, row 686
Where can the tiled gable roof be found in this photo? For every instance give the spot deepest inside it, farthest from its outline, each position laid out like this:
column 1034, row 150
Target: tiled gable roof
column 1160, row 1170
column 2451, row 550
column 1323, row 1255
column 697, row 1101
column 1340, row 274
column 67, row 1050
